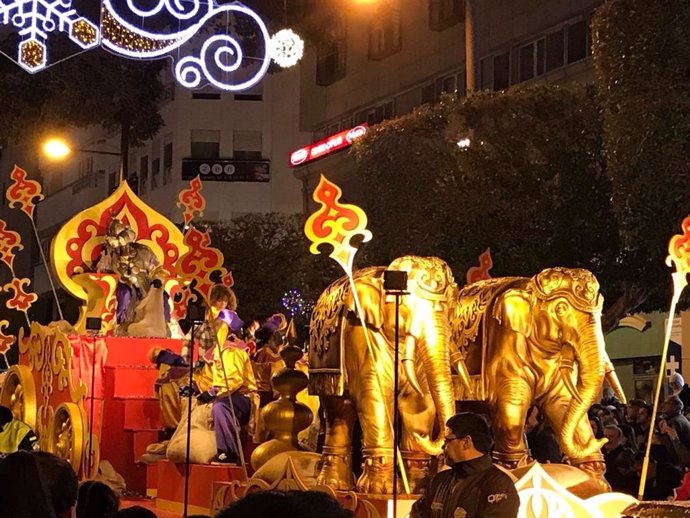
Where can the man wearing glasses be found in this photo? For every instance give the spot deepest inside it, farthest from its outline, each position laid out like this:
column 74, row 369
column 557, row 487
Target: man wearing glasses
column 473, row 487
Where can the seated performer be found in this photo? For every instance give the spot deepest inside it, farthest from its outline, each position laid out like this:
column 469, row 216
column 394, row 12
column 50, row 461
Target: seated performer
column 174, row 369
column 269, row 340
column 232, row 376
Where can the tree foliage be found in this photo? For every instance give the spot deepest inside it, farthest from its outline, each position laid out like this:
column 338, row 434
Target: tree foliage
column 268, row 255
column 93, row 88
column 642, row 69
column 531, row 186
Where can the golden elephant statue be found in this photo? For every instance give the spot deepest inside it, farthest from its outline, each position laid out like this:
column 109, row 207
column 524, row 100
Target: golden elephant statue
column 525, row 341
column 351, row 369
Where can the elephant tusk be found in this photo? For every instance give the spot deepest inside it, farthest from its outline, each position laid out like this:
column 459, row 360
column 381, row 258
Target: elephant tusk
column 615, row 383
column 566, row 375
column 408, row 364
column 464, row 377
column 411, row 375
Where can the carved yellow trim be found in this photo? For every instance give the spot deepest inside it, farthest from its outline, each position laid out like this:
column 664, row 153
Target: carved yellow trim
column 19, row 392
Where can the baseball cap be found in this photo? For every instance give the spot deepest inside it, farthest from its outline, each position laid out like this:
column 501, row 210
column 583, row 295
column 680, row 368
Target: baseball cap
column 474, row 425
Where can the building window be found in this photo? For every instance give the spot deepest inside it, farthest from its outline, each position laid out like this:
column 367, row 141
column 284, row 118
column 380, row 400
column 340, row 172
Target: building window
column 461, row 85
column 246, row 145
column 555, row 47
column 155, row 173
column 429, row 93
column 144, row 177
column 577, row 41
column 445, row 13
column 167, row 160
column 205, row 144
column 501, row 76
column 155, row 164
column 209, row 96
column 254, row 94
column 531, row 60
column 486, row 73
column 330, row 54
column 113, row 178
column 385, row 31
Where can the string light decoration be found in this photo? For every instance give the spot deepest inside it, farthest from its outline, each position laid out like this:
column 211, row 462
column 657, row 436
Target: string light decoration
column 220, row 60
column 293, row 302
column 287, row 48
column 36, row 19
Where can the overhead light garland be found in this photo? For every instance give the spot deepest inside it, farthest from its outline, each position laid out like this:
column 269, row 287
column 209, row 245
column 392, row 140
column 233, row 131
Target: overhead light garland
column 220, row 60
column 202, row 53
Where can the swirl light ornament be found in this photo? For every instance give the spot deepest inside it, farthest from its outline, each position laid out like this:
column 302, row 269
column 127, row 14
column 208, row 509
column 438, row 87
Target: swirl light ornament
column 203, row 54
column 287, row 48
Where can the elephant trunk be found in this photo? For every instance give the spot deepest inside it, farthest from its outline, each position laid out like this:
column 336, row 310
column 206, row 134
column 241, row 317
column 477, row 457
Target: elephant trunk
column 590, row 373
column 436, row 361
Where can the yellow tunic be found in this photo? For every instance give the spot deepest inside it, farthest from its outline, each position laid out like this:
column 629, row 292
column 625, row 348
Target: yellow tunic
column 12, row 436
column 238, row 371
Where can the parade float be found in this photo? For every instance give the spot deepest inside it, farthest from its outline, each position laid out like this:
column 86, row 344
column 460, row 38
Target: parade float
column 87, row 388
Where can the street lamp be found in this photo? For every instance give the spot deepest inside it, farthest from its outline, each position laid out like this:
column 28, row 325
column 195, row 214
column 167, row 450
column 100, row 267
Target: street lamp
column 58, row 149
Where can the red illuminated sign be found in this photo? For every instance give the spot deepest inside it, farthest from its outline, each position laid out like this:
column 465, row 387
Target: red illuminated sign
column 327, row 146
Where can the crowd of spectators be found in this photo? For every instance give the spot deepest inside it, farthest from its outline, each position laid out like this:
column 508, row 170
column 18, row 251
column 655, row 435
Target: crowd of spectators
column 627, row 429
column 35, row 484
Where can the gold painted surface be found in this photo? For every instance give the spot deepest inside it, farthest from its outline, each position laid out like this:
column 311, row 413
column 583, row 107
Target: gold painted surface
column 76, row 247
column 45, row 375
column 100, row 291
column 19, row 394
column 537, row 341
column 351, row 367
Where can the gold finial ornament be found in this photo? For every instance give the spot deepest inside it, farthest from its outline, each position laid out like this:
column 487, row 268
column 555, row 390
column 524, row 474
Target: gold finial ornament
column 286, row 417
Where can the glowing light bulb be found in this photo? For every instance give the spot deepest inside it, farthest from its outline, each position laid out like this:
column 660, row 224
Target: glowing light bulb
column 464, row 143
column 56, row 148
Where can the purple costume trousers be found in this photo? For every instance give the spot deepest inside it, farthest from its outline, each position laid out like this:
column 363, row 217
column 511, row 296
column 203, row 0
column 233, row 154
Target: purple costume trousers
column 226, row 428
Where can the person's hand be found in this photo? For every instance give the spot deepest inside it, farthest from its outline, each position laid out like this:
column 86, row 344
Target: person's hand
column 668, row 430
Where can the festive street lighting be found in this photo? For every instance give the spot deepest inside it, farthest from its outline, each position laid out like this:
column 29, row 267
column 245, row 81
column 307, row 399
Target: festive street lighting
column 57, row 149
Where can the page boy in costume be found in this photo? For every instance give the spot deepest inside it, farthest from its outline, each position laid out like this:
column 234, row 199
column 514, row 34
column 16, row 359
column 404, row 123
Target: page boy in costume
column 231, row 374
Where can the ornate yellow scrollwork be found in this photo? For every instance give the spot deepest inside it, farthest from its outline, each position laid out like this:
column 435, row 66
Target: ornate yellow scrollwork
column 19, row 394
column 67, row 434
column 42, row 392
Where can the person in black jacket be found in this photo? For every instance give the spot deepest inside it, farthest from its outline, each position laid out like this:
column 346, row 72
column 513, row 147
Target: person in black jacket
column 473, row 487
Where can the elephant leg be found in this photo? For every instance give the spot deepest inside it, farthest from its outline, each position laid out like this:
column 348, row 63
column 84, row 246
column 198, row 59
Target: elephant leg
column 418, row 416
column 554, row 408
column 375, row 412
column 511, row 406
column 336, row 461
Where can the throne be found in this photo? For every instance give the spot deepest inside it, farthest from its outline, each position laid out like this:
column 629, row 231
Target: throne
column 78, row 245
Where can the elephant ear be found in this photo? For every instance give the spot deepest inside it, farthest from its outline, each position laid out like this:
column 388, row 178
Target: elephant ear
column 513, row 310
column 371, row 298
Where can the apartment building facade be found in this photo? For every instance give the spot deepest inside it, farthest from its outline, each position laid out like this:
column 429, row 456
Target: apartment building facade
column 237, row 143
column 387, row 60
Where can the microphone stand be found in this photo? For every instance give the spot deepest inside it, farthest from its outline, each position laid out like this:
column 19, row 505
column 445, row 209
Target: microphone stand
column 190, row 396
column 395, row 283
column 95, row 336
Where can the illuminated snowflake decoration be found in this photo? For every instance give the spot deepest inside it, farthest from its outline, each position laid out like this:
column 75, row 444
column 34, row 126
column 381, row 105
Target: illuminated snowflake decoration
column 287, row 48
column 36, row 19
